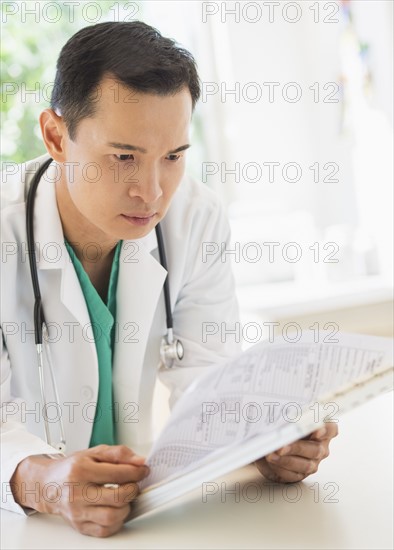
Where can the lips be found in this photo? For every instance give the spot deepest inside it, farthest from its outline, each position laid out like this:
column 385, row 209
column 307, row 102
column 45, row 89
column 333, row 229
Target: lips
column 140, row 220
column 143, row 216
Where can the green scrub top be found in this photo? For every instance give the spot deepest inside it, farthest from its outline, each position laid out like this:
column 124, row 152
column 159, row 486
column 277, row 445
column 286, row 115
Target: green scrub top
column 102, row 318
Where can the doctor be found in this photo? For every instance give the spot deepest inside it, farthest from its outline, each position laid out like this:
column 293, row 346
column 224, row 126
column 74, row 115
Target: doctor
column 117, row 132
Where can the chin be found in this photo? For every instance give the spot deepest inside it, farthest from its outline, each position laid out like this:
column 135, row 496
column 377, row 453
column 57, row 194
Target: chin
column 138, row 232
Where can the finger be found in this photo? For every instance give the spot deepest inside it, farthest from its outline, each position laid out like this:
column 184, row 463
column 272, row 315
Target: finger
column 98, row 495
column 104, row 515
column 276, row 473
column 295, row 464
column 332, row 429
column 102, row 473
column 281, row 475
column 108, row 516
column 95, row 530
column 100, row 521
column 119, row 496
column 117, row 454
column 328, row 431
column 131, row 514
column 317, row 435
column 316, row 450
column 82, row 468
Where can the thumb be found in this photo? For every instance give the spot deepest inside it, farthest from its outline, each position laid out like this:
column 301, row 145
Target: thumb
column 318, row 434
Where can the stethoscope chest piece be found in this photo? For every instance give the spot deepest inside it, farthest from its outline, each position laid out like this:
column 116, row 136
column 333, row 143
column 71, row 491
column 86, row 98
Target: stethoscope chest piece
column 170, row 350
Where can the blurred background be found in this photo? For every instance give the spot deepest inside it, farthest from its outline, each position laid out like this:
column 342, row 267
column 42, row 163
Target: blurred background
column 294, row 131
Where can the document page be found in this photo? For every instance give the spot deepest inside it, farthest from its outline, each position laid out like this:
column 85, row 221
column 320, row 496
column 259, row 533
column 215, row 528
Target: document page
column 256, row 393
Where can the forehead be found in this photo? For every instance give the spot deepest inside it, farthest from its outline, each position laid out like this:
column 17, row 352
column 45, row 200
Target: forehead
column 115, row 103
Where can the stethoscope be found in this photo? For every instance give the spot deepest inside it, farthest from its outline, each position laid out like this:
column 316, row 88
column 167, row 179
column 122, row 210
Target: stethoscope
column 170, row 349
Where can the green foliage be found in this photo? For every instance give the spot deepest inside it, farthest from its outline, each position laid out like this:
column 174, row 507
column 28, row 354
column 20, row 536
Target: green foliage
column 30, row 47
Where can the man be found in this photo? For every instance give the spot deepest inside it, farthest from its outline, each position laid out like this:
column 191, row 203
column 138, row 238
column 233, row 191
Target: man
column 117, row 131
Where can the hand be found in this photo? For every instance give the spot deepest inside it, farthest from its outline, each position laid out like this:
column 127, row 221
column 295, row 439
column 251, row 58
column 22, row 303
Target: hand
column 297, row 461
column 73, row 487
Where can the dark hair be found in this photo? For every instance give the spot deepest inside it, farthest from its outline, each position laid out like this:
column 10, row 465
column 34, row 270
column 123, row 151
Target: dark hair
column 133, row 53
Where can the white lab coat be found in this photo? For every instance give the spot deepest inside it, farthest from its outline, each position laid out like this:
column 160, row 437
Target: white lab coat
column 201, row 292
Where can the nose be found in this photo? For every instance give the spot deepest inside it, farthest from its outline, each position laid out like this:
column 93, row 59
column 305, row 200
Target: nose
column 147, row 185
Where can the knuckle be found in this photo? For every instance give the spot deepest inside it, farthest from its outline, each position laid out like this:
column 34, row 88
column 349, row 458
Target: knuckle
column 276, row 478
column 78, row 521
column 83, row 528
column 97, row 450
column 132, row 491
column 135, row 493
column 281, row 463
column 94, row 529
column 109, row 516
column 124, row 449
column 332, row 428
column 103, row 531
column 321, row 449
column 291, row 477
column 102, row 447
column 294, row 449
column 139, row 474
column 127, row 510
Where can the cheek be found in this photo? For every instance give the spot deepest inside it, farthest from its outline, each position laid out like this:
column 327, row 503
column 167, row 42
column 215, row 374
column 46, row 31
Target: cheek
column 91, row 199
column 172, row 183
column 168, row 194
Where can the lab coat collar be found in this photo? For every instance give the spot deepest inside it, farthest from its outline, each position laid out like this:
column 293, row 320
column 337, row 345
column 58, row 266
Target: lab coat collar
column 51, row 252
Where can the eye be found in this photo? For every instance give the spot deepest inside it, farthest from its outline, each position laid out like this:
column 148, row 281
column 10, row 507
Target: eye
column 173, row 158
column 124, row 158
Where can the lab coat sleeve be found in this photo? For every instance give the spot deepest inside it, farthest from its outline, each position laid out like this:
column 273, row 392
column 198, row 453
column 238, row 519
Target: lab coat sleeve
column 16, row 442
column 206, row 312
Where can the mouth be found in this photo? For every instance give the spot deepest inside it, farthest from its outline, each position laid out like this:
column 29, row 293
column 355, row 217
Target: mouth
column 142, row 219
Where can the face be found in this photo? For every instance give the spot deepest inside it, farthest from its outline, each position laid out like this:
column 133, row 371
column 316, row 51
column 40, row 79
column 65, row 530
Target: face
column 126, row 162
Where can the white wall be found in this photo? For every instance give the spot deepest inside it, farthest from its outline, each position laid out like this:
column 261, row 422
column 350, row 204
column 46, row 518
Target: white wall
column 356, row 211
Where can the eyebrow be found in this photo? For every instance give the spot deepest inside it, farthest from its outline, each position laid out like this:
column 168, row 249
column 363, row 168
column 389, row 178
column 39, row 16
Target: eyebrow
column 128, row 147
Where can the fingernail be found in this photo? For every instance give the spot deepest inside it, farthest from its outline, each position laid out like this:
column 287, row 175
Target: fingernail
column 138, row 459
column 321, row 432
column 273, row 457
column 284, row 450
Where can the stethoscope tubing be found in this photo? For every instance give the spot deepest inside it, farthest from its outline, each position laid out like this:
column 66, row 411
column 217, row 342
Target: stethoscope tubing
column 172, row 348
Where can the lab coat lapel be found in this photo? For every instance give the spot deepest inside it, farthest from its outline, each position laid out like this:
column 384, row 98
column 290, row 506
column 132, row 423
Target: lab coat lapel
column 75, row 360
column 140, row 283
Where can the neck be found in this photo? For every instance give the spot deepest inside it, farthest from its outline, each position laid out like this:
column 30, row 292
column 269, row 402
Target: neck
column 90, row 244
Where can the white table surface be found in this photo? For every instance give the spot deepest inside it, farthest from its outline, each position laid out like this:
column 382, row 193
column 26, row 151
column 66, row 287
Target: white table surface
column 359, row 470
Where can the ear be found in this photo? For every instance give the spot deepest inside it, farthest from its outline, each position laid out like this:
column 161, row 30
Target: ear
column 54, row 133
